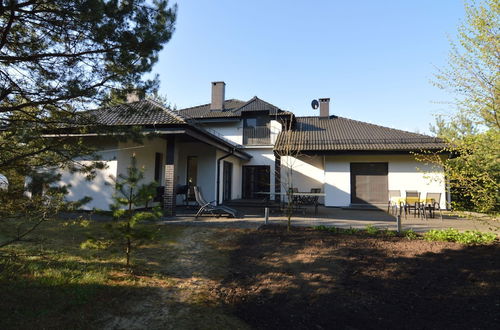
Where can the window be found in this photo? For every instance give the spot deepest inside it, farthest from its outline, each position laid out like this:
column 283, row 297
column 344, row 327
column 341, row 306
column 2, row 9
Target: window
column 158, row 166
column 256, row 130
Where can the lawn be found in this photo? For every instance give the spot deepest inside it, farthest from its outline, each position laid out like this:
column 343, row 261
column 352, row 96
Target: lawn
column 202, row 277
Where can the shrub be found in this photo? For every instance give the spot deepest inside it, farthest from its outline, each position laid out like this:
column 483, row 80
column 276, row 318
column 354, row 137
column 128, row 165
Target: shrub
column 389, row 233
column 410, row 234
column 470, row 237
column 351, row 231
column 335, row 230
column 371, row 230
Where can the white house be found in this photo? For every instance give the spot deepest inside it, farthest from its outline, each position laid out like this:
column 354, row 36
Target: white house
column 236, row 149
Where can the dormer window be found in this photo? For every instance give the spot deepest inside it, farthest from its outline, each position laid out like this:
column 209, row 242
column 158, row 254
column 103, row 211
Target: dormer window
column 256, row 130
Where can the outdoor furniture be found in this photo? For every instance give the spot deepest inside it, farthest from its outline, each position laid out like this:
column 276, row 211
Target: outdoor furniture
column 432, row 203
column 293, row 194
column 208, row 207
column 311, row 199
column 296, row 196
column 183, row 190
column 160, row 191
column 394, row 201
column 412, row 201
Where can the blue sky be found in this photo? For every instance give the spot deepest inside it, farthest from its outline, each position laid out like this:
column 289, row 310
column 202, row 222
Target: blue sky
column 374, row 59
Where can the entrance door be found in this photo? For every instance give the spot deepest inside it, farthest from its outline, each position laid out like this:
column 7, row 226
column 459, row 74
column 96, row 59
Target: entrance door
column 227, row 174
column 256, row 179
column 369, row 184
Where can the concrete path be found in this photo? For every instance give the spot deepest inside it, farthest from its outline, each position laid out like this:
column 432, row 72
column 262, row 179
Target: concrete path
column 344, row 219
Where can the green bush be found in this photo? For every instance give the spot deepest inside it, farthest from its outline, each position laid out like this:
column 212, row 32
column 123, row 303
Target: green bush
column 470, row 237
column 410, row 234
column 389, row 233
column 371, row 230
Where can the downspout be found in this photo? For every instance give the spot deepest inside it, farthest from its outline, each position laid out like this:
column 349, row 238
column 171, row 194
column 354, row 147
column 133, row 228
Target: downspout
column 218, row 174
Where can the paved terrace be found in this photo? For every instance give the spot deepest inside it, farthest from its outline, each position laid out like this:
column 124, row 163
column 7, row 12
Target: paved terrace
column 337, row 217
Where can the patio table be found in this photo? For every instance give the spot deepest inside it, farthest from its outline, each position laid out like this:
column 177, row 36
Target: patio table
column 299, row 194
column 291, row 193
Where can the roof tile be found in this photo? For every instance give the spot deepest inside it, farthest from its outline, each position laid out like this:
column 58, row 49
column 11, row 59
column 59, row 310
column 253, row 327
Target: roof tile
column 144, row 112
column 342, row 134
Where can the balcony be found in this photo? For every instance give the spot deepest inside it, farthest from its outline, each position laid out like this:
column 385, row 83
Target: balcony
column 257, row 136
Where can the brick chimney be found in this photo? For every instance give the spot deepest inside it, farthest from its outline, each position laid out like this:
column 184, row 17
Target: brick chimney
column 324, row 107
column 218, row 93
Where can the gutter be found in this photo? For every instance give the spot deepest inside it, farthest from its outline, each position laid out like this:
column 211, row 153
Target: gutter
column 218, row 174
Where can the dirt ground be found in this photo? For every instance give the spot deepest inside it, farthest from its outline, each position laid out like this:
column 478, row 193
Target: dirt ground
column 204, row 277
column 310, row 279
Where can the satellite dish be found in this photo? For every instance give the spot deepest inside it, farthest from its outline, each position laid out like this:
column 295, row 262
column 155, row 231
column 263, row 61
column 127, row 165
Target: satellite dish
column 315, row 104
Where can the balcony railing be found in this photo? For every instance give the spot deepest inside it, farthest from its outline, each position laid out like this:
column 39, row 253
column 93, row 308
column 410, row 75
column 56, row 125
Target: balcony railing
column 257, row 136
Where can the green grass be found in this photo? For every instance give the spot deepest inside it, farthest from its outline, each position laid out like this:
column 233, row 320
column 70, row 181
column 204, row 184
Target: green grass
column 61, row 277
column 69, row 275
column 444, row 235
column 470, row 237
column 369, row 230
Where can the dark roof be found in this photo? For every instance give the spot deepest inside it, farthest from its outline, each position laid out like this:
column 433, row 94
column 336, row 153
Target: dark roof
column 232, row 108
column 342, row 134
column 143, row 112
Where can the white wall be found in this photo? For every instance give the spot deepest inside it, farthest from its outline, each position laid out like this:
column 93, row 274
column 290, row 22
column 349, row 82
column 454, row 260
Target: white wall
column 206, row 175
column 275, row 127
column 306, row 172
column 144, row 154
column 405, row 173
column 101, row 188
column 232, row 131
column 117, row 156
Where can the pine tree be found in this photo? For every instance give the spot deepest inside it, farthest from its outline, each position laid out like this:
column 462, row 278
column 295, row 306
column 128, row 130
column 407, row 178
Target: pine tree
column 129, row 228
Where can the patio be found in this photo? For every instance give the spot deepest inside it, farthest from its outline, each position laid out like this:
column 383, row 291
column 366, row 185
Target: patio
column 337, row 217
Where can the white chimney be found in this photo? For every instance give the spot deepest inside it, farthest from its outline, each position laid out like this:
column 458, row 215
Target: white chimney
column 218, row 93
column 133, row 96
column 324, row 107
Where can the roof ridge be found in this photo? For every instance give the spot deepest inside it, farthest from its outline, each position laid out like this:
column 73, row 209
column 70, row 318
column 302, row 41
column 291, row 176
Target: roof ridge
column 255, row 98
column 207, row 104
column 167, row 110
column 245, row 104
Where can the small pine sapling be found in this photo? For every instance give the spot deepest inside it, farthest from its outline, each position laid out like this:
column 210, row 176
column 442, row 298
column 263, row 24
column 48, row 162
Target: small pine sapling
column 128, row 227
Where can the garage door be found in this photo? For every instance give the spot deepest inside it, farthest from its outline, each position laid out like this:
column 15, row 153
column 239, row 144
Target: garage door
column 369, row 183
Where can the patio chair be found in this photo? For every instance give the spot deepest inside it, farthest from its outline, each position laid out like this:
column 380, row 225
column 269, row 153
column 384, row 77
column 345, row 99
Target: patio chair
column 183, row 190
column 432, row 203
column 393, row 203
column 309, row 200
column 297, row 201
column 412, row 201
column 208, row 207
column 292, row 192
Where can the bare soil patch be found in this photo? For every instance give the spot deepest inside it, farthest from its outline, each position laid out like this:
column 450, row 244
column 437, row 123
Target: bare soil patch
column 309, row 279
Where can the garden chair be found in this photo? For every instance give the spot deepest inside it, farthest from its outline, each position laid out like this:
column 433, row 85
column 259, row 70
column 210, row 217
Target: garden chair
column 394, row 203
column 311, row 200
column 432, row 203
column 208, row 207
column 412, row 201
column 297, row 201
